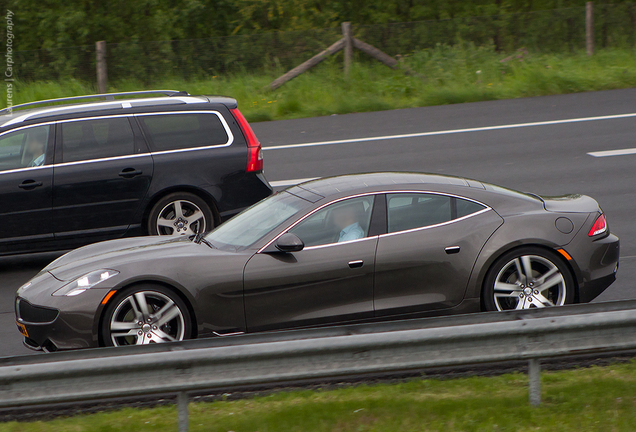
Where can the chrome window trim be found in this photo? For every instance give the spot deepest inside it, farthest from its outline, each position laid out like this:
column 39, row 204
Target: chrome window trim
column 15, row 170
column 375, row 237
column 106, row 105
column 108, row 159
column 487, row 208
column 26, row 127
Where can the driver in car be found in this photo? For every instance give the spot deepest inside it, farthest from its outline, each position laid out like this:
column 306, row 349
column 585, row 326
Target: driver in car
column 347, row 218
column 35, row 148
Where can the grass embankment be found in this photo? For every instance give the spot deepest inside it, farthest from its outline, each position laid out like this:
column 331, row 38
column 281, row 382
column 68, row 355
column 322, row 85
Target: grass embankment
column 593, row 399
column 451, row 75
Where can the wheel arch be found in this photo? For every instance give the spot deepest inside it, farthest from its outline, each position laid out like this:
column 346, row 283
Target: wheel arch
column 204, row 195
column 185, row 298
column 492, row 259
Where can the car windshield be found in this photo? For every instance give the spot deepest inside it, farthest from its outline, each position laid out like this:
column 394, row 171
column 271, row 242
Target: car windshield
column 251, row 225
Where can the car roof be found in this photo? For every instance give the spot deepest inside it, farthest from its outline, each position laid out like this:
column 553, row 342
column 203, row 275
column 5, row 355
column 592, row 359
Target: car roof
column 330, row 188
column 343, row 184
column 20, row 114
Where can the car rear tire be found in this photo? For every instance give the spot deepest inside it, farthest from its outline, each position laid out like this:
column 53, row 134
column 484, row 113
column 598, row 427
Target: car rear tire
column 180, row 213
column 145, row 314
column 526, row 278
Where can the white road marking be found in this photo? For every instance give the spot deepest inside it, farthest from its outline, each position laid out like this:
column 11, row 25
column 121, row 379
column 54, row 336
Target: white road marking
column 451, row 131
column 283, row 183
column 606, row 153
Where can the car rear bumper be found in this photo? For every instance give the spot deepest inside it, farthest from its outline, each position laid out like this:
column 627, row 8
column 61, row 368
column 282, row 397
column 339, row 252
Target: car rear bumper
column 598, row 265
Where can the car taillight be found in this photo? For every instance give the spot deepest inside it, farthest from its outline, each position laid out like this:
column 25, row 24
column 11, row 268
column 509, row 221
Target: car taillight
column 599, row 227
column 254, row 155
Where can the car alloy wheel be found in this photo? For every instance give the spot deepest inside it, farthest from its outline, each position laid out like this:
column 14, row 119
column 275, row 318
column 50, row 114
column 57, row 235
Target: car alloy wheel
column 146, row 316
column 528, row 279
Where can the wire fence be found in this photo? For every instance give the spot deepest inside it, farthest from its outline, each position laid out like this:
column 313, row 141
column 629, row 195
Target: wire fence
column 559, row 30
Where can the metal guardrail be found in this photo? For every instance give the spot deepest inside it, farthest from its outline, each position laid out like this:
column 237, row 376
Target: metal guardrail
column 319, row 353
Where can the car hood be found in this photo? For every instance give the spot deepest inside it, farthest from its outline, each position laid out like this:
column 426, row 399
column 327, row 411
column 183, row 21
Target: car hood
column 116, row 253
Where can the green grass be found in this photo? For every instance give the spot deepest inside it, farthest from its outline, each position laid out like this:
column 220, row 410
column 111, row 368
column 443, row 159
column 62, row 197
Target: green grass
column 447, row 75
column 592, row 399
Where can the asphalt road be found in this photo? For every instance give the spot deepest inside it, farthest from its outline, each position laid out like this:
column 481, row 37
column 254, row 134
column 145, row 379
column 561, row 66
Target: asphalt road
column 539, row 145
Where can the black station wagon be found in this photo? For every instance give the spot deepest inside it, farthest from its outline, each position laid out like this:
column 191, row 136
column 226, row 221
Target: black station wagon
column 78, row 171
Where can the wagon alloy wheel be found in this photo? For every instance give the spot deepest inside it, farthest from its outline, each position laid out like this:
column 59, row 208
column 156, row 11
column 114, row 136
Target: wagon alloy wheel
column 180, row 213
column 180, row 218
column 145, row 317
column 529, row 281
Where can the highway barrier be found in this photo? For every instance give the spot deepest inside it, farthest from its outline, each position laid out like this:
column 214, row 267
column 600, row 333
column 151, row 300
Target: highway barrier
column 323, row 353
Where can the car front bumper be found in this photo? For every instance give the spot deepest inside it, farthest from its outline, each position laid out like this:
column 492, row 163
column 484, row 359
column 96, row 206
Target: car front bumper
column 52, row 323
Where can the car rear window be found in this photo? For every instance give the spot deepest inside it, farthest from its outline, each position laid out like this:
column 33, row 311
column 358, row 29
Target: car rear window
column 97, row 139
column 180, row 131
column 465, row 207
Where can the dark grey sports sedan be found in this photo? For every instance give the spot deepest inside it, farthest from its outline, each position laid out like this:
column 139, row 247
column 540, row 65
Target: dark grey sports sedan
column 342, row 249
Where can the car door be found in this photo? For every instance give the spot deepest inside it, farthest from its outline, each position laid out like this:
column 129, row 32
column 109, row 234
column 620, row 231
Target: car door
column 330, row 280
column 26, row 177
column 102, row 173
column 426, row 258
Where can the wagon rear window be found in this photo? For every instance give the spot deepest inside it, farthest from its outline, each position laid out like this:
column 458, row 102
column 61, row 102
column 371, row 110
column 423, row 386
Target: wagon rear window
column 180, row 131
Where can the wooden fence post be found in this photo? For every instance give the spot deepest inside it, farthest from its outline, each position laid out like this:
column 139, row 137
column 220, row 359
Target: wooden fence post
column 334, row 48
column 348, row 47
column 589, row 27
column 102, row 75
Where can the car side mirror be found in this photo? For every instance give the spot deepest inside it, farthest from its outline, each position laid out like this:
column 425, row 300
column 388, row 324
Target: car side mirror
column 289, row 242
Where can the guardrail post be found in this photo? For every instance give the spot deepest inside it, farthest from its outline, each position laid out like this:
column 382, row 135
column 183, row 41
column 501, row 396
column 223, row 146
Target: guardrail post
column 182, row 409
column 534, row 381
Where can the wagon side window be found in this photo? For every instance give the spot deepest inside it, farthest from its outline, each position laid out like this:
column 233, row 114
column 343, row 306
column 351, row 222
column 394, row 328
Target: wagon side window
column 24, row 148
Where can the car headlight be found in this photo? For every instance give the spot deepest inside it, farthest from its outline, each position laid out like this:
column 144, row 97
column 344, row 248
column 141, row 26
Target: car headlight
column 85, row 282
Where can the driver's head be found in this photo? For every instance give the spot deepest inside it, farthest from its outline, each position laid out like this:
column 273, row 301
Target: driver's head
column 36, row 142
column 345, row 216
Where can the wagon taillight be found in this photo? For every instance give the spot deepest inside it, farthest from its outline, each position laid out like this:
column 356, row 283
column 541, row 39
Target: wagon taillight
column 254, row 154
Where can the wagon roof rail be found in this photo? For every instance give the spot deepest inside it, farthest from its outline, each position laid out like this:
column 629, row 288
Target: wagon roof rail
column 106, row 96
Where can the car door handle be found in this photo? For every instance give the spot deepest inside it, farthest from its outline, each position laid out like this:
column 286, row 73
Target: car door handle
column 452, row 250
column 356, row 263
column 130, row 173
column 29, row 184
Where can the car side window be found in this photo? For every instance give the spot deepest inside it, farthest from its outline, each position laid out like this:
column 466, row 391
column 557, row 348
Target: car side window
column 465, row 207
column 407, row 211
column 179, row 131
column 339, row 222
column 24, row 148
column 97, row 139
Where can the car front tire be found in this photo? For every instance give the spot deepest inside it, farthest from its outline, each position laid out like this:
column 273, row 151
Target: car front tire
column 527, row 278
